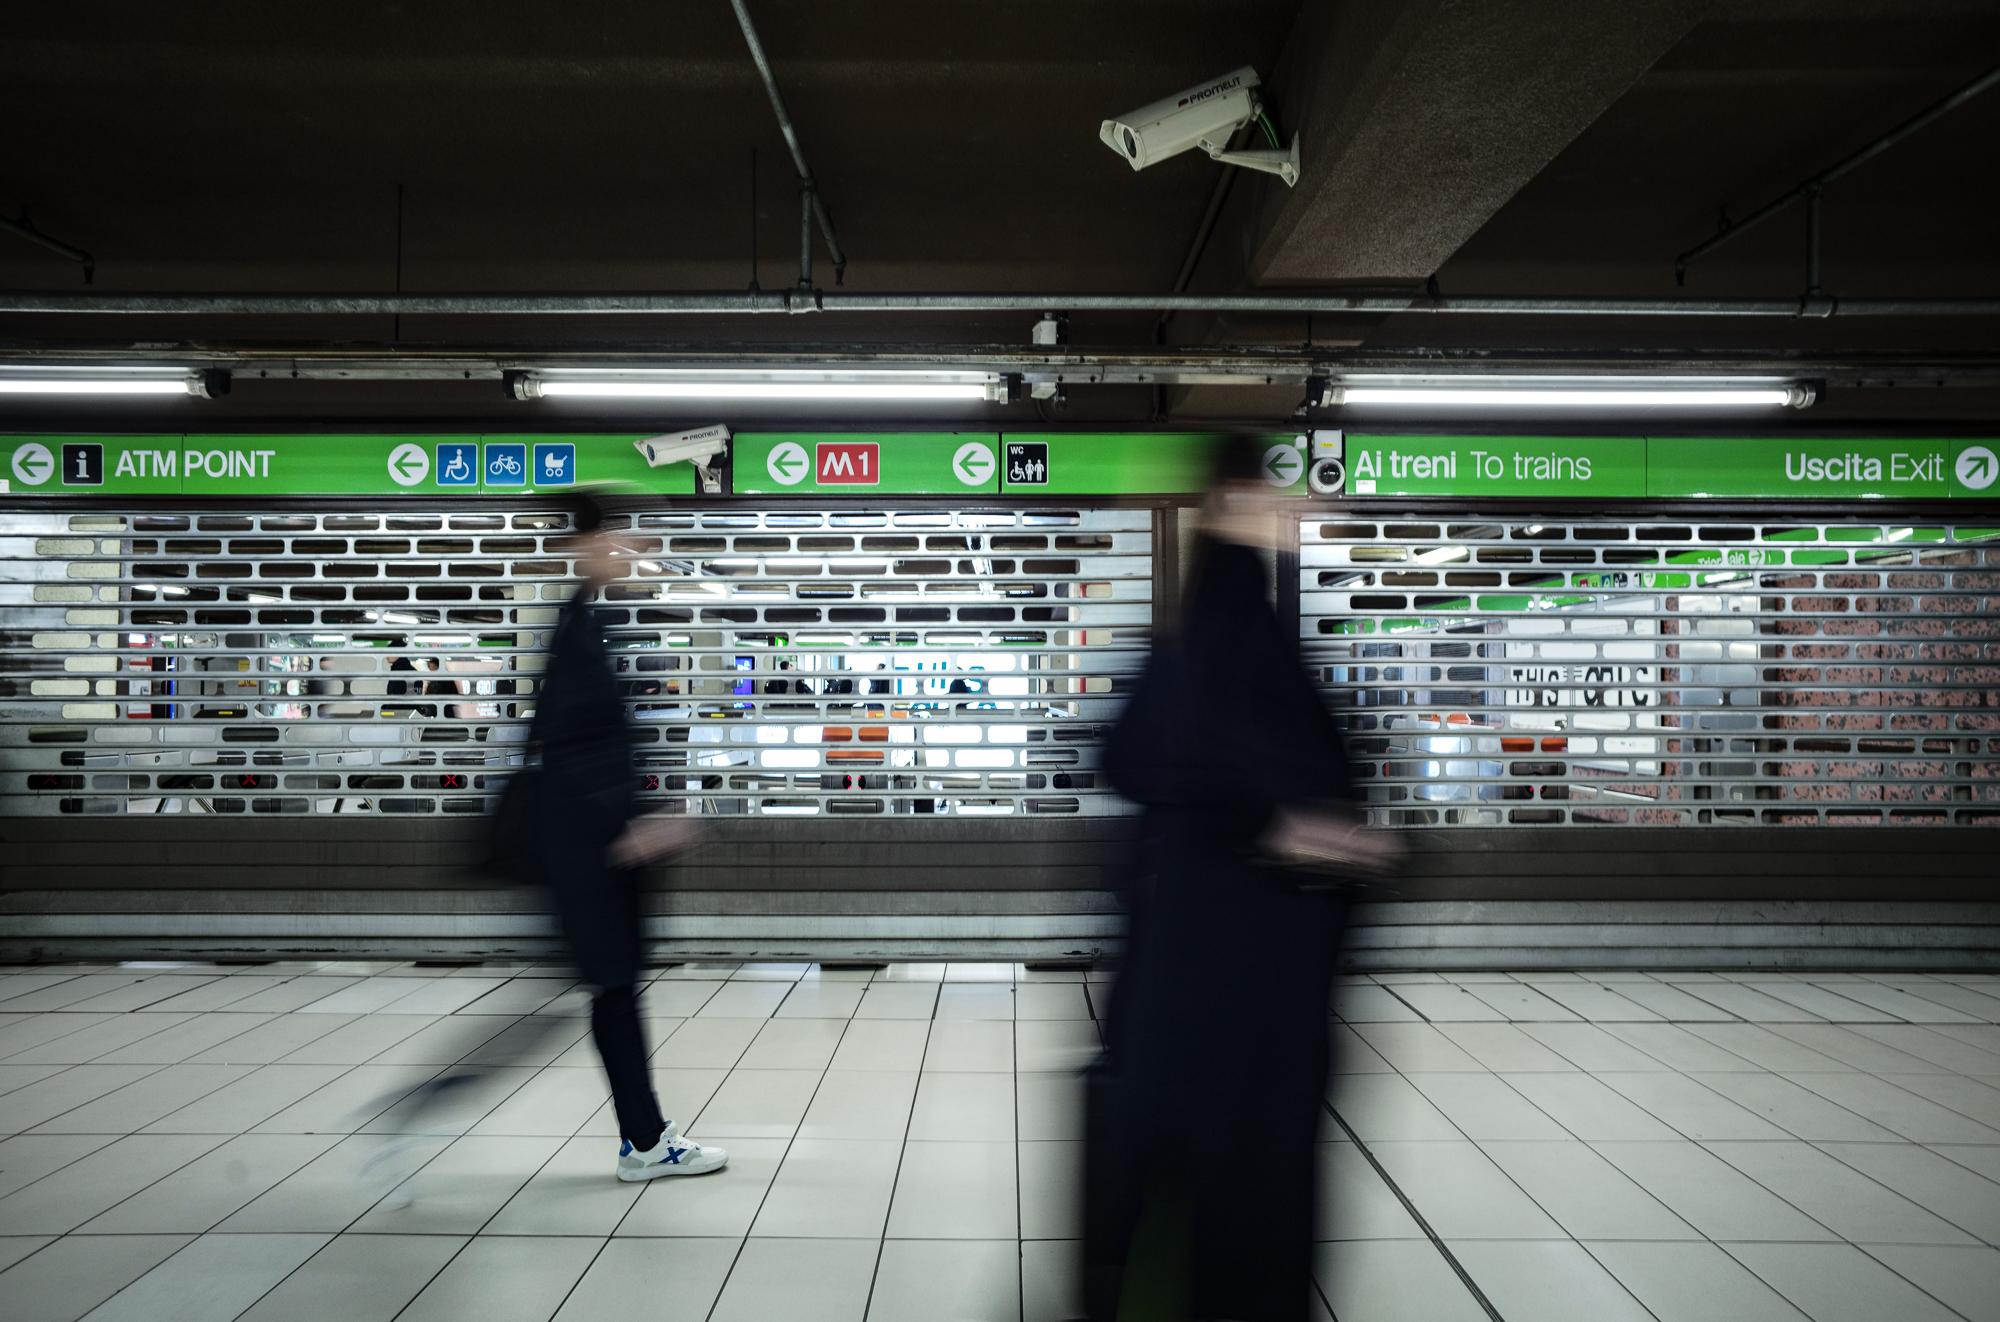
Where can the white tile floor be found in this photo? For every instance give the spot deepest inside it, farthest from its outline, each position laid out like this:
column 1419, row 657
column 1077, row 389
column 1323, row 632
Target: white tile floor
column 211, row 1143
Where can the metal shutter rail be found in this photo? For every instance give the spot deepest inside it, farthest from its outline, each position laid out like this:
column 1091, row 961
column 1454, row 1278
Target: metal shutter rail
column 1509, row 671
column 241, row 661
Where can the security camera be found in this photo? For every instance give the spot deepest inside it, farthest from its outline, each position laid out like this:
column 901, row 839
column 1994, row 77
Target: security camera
column 1328, row 474
column 1327, row 477
column 1206, row 116
column 701, row 447
column 696, row 447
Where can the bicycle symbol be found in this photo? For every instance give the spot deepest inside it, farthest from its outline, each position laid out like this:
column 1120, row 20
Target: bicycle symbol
column 506, row 464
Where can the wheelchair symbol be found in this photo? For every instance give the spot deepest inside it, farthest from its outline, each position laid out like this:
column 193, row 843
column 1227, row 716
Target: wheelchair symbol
column 457, row 470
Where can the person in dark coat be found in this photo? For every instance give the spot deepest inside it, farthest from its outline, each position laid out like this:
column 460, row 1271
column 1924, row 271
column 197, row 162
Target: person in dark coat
column 592, row 840
column 396, row 688
column 1203, row 1116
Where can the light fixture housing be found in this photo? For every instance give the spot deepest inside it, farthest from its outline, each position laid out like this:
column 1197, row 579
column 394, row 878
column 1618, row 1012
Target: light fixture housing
column 1573, row 393
column 99, row 382
column 877, row 385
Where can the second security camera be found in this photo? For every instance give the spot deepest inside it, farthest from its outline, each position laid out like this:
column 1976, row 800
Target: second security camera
column 698, row 446
column 1206, row 116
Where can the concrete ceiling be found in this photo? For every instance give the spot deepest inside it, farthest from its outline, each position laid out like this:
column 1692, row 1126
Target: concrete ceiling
column 1503, row 146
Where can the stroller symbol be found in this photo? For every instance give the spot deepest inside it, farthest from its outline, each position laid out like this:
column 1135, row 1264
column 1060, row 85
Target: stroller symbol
column 555, row 463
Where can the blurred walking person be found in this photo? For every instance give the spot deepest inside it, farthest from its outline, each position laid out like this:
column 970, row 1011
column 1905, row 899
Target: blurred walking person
column 575, row 821
column 1203, row 1117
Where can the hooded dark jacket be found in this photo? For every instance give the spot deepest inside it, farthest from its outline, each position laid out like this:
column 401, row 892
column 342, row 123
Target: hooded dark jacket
column 1210, row 1096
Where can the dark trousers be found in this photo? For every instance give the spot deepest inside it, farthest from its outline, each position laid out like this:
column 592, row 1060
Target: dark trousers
column 598, row 908
column 621, row 1043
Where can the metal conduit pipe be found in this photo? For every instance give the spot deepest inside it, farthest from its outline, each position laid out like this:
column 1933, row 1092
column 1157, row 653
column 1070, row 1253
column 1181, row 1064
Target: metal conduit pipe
column 806, row 242
column 757, row 302
column 1269, row 364
column 806, row 183
column 23, row 228
column 1811, row 187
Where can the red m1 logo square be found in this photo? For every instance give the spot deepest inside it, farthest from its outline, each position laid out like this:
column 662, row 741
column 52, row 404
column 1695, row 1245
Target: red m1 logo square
column 849, row 463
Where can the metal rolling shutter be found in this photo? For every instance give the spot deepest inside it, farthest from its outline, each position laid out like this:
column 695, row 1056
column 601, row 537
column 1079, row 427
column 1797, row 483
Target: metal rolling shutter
column 838, row 662
column 1508, row 671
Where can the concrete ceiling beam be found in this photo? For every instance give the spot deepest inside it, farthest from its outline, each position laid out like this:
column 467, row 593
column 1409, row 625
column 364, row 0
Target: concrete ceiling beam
column 1419, row 120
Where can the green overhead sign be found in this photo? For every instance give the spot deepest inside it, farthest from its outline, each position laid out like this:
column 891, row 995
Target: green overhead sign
column 1671, row 468
column 358, row 465
column 1022, row 465
column 86, row 465
column 1135, row 463
column 1513, row 466
column 1695, row 467
column 865, row 463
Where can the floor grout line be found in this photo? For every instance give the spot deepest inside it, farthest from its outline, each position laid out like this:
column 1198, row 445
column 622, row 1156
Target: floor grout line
column 1896, row 1036
column 902, row 1153
column 1437, row 1242
column 1480, row 1147
column 778, row 1170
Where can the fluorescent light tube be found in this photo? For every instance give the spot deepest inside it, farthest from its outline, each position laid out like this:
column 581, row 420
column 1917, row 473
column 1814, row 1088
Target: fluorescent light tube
column 1568, row 392
column 778, row 383
column 20, row 379
column 1580, row 399
column 13, row 385
column 761, row 390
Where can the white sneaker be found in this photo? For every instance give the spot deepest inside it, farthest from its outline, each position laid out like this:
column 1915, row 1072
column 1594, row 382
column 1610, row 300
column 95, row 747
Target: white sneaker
column 672, row 1155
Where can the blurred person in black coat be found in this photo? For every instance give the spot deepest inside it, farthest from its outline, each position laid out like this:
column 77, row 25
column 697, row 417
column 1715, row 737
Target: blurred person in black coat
column 569, row 822
column 1203, row 1116
column 591, row 839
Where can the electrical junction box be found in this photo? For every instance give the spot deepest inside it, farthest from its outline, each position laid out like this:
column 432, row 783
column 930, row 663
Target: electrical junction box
column 1326, row 471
